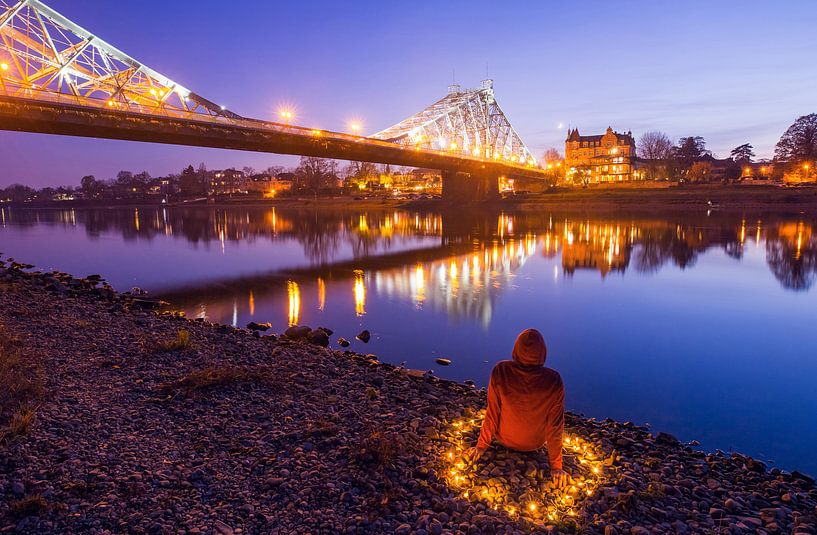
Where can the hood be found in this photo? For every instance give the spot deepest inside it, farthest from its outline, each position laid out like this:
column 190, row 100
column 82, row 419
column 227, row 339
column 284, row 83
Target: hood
column 530, row 348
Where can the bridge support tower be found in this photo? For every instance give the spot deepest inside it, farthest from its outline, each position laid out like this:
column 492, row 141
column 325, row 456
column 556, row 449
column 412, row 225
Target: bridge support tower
column 469, row 187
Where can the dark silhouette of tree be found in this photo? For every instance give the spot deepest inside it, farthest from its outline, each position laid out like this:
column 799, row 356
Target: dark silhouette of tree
column 799, row 143
column 795, row 272
column 690, row 150
column 656, row 148
column 89, row 186
column 314, row 174
column 191, row 183
column 18, row 193
column 743, row 153
column 124, row 178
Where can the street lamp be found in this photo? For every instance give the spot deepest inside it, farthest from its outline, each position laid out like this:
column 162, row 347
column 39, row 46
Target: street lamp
column 355, row 126
column 286, row 115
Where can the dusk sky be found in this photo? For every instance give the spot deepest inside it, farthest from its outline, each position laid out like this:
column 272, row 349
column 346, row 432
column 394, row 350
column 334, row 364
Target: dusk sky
column 731, row 71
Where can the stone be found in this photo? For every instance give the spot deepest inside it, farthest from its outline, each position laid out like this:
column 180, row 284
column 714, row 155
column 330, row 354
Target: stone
column 666, row 438
column 403, row 529
column 222, row 529
column 343, row 342
column 442, row 361
column 364, row 336
column 253, row 326
column 318, row 337
column 18, row 488
column 297, row 332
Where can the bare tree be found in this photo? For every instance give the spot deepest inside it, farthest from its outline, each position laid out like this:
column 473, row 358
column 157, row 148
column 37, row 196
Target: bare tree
column 656, row 148
column 552, row 155
column 315, row 173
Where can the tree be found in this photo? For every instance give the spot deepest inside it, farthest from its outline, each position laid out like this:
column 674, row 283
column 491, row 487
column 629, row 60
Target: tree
column 190, row 183
column 552, row 156
column 799, row 143
column 274, row 170
column 315, row 173
column 143, row 177
column 743, row 153
column 656, row 148
column 581, row 175
column 18, row 193
column 689, row 150
column 89, row 186
column 700, row 172
column 124, row 178
column 360, row 172
column 248, row 171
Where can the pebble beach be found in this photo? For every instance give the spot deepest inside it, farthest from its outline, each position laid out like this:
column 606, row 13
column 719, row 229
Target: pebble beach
column 134, row 419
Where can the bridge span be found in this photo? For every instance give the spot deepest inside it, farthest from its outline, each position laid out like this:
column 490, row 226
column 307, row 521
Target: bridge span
column 58, row 78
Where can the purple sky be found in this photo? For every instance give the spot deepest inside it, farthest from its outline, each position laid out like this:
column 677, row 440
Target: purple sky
column 731, row 71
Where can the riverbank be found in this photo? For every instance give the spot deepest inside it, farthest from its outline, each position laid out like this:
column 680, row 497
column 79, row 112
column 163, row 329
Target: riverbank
column 652, row 198
column 150, row 423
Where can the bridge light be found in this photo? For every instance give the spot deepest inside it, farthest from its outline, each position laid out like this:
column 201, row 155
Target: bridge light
column 4, row 66
column 316, row 133
column 153, row 92
column 453, row 146
column 476, row 152
column 286, row 115
column 354, row 126
column 223, row 108
column 110, row 103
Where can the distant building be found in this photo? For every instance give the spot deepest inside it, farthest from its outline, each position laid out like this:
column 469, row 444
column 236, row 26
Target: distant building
column 227, row 182
column 604, row 158
column 267, row 185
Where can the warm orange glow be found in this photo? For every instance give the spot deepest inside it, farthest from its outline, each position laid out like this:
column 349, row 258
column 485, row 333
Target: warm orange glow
column 286, row 115
column 321, row 294
column 355, row 126
column 4, row 66
column 294, row 295
column 360, row 293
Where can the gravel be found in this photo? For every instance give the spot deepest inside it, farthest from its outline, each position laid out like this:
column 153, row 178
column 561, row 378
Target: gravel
column 140, row 431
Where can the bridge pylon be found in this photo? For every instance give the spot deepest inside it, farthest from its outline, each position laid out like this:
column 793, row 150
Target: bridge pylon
column 46, row 56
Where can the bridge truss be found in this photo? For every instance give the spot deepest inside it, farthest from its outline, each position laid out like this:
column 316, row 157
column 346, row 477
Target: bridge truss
column 469, row 122
column 58, row 78
column 44, row 55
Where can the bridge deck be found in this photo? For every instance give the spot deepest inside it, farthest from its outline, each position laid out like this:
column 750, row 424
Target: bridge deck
column 62, row 116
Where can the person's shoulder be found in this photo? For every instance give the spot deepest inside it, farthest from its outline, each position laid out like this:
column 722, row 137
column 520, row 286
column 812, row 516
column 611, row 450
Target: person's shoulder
column 553, row 375
column 503, row 366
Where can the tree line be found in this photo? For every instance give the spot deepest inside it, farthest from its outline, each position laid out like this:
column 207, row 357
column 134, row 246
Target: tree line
column 689, row 158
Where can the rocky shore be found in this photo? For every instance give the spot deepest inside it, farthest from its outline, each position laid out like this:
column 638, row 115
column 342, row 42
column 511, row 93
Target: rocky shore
column 131, row 420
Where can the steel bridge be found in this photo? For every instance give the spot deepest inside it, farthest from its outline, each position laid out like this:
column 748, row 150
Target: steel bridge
column 58, row 78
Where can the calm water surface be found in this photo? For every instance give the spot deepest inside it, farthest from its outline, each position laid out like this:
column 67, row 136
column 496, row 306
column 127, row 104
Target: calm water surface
column 702, row 325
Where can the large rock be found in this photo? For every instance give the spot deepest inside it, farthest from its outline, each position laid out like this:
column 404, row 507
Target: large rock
column 364, row 337
column 297, row 332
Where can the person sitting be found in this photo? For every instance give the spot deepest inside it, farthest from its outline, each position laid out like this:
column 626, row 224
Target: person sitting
column 525, row 405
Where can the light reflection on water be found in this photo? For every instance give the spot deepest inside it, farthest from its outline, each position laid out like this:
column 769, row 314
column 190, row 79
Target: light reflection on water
column 701, row 325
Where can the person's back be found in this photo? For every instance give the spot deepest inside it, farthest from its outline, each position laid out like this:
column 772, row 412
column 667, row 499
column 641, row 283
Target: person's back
column 525, row 402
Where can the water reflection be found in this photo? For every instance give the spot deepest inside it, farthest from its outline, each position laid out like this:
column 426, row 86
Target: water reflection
column 648, row 316
column 470, row 253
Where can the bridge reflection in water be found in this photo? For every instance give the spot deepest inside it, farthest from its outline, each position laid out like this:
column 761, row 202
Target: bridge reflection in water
column 456, row 264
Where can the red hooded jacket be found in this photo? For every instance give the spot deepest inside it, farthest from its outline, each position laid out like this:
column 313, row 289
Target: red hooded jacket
column 526, row 402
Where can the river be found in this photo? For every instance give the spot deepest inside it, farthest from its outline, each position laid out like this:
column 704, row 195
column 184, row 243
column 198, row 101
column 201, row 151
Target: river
column 703, row 325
